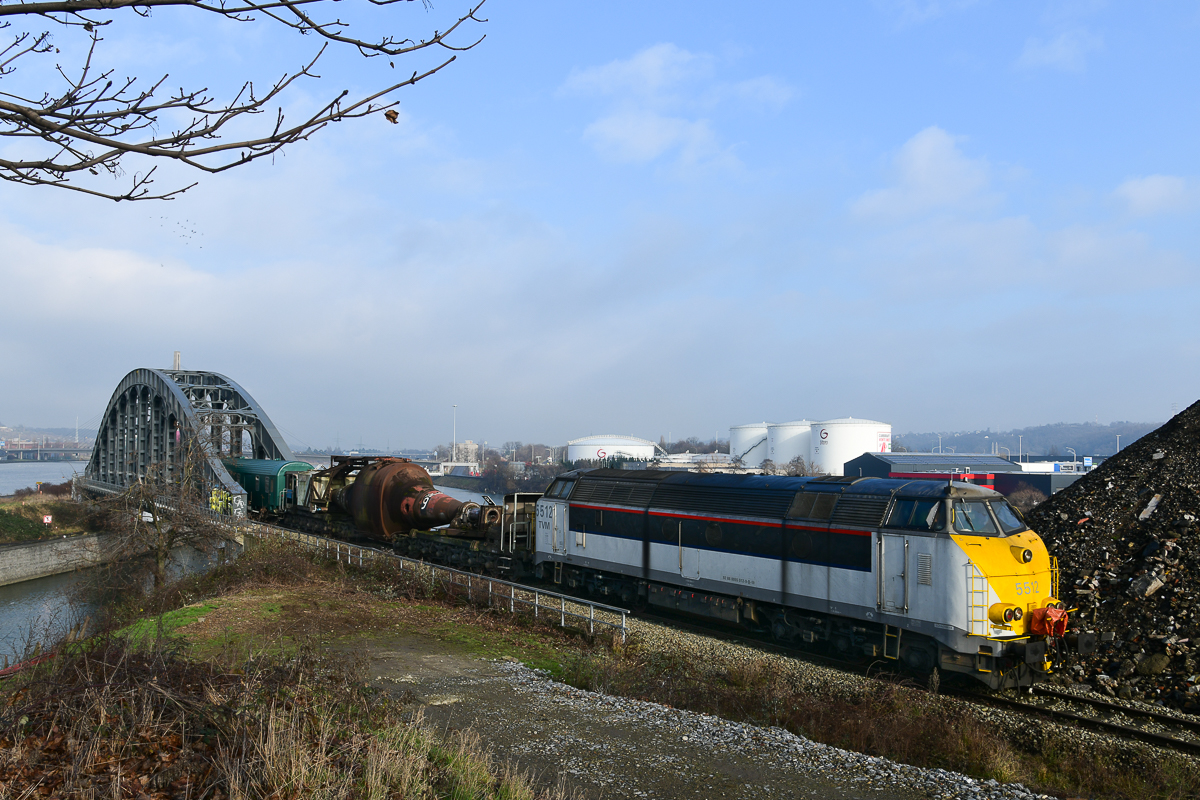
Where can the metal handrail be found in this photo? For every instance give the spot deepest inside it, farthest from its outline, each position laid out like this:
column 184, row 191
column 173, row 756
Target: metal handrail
column 359, row 556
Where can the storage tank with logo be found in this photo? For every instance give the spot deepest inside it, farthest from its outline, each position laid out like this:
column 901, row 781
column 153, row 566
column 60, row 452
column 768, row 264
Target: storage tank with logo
column 786, row 440
column 749, row 442
column 836, row 441
column 599, row 448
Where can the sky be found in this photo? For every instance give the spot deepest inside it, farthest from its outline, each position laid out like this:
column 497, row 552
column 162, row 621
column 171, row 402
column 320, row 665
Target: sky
column 654, row 219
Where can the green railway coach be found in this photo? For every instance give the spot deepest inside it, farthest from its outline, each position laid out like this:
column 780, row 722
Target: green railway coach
column 265, row 481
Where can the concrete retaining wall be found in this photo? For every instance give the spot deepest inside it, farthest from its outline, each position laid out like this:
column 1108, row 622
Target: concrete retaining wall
column 25, row 561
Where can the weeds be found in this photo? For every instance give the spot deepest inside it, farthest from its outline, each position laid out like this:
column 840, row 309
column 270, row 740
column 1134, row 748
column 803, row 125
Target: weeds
column 110, row 718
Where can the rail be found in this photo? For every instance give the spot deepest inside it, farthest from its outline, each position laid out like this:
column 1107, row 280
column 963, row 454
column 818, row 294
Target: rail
column 541, row 602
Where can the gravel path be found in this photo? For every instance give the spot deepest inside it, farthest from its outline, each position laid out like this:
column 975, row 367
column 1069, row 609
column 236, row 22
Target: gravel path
column 610, row 747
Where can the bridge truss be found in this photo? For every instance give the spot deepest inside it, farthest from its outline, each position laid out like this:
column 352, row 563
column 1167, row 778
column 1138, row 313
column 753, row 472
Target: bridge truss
column 152, row 410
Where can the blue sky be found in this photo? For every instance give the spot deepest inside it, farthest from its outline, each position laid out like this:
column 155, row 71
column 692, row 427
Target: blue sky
column 651, row 218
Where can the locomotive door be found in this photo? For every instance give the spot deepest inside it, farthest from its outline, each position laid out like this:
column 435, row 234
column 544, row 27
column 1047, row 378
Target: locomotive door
column 689, row 557
column 893, row 574
column 550, row 526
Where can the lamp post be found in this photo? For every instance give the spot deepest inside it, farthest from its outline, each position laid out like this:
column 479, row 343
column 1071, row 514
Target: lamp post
column 1020, row 447
column 454, row 436
column 939, row 443
column 1118, row 442
column 1071, row 450
column 1008, row 453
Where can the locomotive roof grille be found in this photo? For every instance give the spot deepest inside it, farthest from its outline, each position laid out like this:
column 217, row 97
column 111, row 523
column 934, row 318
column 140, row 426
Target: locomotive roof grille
column 762, row 486
column 625, row 493
column 732, row 502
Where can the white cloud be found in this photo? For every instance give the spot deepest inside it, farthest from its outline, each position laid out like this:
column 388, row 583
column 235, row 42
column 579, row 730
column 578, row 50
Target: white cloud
column 657, row 97
column 931, row 172
column 648, row 73
column 1067, row 51
column 764, row 91
column 1154, row 194
column 639, row 136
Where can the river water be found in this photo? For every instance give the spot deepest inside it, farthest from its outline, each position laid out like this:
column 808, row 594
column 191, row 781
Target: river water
column 25, row 474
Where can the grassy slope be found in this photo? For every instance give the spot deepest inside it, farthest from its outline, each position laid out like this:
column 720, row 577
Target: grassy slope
column 21, row 520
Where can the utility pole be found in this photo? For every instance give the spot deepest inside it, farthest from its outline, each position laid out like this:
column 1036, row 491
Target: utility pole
column 1021, row 447
column 454, row 436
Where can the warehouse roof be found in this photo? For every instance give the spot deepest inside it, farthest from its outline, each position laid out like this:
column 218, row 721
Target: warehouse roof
column 944, row 462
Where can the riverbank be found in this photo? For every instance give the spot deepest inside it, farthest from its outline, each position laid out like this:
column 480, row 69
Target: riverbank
column 464, row 482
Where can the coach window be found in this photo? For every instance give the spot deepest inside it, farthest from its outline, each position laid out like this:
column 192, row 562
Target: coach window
column 973, row 518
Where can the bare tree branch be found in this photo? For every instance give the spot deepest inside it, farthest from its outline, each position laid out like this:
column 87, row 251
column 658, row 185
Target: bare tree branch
column 97, row 122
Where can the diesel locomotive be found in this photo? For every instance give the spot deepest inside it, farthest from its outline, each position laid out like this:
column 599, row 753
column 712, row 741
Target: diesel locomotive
column 932, row 574
column 929, row 573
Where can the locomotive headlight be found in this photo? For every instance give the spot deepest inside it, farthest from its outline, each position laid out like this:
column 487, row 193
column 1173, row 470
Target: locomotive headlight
column 1017, row 614
column 1022, row 554
column 1003, row 613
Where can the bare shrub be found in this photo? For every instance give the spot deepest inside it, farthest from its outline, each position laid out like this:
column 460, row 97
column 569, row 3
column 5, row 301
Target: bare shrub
column 1025, row 497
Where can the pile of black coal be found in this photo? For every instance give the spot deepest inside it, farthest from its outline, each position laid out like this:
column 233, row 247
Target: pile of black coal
column 1127, row 539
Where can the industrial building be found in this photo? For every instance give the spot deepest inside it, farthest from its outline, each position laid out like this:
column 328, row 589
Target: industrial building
column 826, row 445
column 992, row 472
column 599, row 448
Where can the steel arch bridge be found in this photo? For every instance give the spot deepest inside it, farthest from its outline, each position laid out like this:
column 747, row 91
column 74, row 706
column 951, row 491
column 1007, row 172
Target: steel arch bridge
column 151, row 411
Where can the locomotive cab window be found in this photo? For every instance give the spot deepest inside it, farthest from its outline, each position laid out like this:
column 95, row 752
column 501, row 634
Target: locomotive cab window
column 973, row 517
column 1008, row 519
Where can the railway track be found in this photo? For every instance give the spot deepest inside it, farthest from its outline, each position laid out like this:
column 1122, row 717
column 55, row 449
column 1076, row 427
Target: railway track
column 1095, row 714
column 1152, row 727
column 1142, row 725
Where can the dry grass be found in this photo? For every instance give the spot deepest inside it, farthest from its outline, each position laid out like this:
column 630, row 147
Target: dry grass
column 114, row 720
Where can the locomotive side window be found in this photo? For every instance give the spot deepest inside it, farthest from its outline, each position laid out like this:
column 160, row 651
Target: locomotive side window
column 560, row 489
column 823, row 508
column 713, row 534
column 973, row 517
column 802, row 504
column 812, row 505
column 1008, row 519
column 917, row 515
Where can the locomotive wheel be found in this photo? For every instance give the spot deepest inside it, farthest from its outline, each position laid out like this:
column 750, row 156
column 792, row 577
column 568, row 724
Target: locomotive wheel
column 918, row 658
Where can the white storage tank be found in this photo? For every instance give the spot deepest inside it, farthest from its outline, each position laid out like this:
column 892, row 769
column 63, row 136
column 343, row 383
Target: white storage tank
column 786, row 440
column 598, row 448
column 749, row 442
column 836, row 441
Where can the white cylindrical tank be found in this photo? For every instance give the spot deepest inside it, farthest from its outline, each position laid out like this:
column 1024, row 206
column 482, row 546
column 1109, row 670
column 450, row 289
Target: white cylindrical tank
column 786, row 440
column 749, row 442
column 598, row 448
column 836, row 441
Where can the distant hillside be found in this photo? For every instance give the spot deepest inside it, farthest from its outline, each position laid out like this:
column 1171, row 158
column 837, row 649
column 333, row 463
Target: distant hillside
column 1087, row 439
